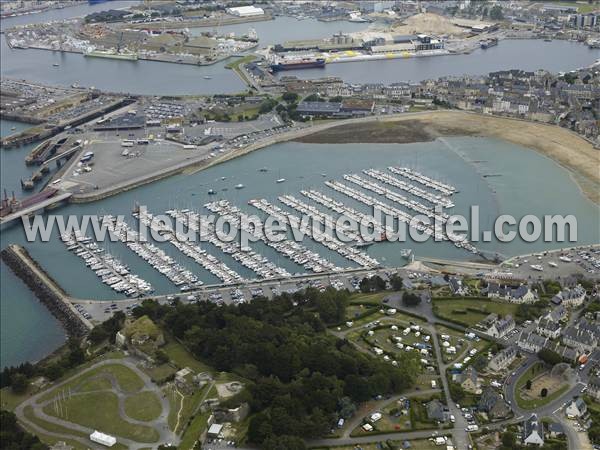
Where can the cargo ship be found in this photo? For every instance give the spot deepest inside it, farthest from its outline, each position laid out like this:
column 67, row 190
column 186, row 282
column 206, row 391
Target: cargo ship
column 489, row 43
column 305, row 63
column 112, row 55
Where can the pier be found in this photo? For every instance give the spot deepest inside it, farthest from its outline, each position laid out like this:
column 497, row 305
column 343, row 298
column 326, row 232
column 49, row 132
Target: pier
column 46, row 290
column 29, row 207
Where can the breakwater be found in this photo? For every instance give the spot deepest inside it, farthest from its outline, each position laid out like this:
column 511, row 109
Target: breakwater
column 46, row 289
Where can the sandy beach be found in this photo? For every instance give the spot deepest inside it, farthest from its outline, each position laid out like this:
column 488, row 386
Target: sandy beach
column 563, row 146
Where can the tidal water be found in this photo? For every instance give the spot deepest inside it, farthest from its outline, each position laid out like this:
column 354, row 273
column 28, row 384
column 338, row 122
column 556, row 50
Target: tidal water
column 529, row 183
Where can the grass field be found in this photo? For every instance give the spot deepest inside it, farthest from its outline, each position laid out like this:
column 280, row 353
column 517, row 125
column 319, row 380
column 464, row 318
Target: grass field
column 469, row 312
column 182, row 358
column 533, row 372
column 98, row 379
column 48, row 426
column 143, row 406
column 189, row 438
column 100, row 410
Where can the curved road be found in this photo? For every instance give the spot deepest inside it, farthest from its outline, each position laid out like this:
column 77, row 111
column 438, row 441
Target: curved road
column 166, row 436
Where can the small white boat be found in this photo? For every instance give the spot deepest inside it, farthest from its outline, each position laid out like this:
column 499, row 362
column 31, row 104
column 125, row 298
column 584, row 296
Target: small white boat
column 239, row 186
column 206, row 77
column 56, row 65
column 280, row 180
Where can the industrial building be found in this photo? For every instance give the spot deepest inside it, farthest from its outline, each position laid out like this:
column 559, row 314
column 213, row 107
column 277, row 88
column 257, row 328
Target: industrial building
column 245, row 11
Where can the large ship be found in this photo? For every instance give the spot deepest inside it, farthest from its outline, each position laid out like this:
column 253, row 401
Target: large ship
column 489, row 43
column 293, row 64
column 112, row 55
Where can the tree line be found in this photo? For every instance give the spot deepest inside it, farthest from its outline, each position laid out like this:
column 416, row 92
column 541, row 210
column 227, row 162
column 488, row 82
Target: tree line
column 301, row 380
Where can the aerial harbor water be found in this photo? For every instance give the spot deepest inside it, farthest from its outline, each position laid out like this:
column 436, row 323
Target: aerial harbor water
column 303, row 166
column 309, row 166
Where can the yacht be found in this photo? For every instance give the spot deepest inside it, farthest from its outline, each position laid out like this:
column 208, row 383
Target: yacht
column 239, row 186
column 280, row 180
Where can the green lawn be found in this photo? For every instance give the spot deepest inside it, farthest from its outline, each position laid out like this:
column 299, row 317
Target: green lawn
column 469, row 312
column 98, row 379
column 49, row 426
column 531, row 373
column 193, row 432
column 182, row 358
column 9, row 400
column 100, row 410
column 143, row 406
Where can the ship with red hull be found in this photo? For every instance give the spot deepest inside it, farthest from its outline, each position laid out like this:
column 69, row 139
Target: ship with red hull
column 306, row 63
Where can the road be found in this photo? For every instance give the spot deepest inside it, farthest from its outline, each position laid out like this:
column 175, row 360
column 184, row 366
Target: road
column 166, row 436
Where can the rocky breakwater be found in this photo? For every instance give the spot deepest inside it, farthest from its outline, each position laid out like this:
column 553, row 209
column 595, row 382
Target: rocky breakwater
column 46, row 290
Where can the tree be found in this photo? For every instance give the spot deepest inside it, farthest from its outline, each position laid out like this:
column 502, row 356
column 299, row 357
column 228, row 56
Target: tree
column 496, row 13
column 543, row 392
column 283, row 443
column 456, row 391
column 528, row 385
column 19, row 383
column 550, row 357
column 290, row 97
column 411, row 299
column 161, row 357
column 13, row 437
column 97, row 335
column 509, row 439
column 396, row 282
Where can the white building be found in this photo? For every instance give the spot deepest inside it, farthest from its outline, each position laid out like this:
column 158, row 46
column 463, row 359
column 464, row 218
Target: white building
column 246, row 11
column 104, row 439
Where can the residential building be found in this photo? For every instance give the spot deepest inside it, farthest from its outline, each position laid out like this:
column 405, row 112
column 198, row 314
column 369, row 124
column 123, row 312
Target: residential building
column 436, row 410
column 576, row 408
column 468, row 380
column 555, row 430
column 533, row 431
column 492, row 403
column 457, row 287
column 584, row 336
column 548, row 328
column 531, row 342
column 515, row 294
column 594, row 388
column 570, row 297
column 502, row 359
column 569, row 354
column 502, row 327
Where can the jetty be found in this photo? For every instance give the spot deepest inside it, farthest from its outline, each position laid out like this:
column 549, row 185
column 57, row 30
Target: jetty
column 46, row 289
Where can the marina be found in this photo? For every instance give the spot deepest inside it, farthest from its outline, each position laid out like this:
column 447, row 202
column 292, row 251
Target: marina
column 246, row 256
column 325, row 238
column 180, row 276
column 298, row 253
column 109, row 269
column 206, row 260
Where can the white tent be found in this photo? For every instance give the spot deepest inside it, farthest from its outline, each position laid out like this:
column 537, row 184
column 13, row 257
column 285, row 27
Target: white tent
column 104, row 439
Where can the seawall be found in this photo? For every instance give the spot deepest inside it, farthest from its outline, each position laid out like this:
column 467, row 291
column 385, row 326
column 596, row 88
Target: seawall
column 46, row 290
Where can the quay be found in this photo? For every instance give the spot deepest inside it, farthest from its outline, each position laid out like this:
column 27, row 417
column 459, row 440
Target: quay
column 36, row 206
column 46, row 290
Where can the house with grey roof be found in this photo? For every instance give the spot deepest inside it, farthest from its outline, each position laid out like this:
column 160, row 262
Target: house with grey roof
column 533, row 431
column 548, row 328
column 594, row 388
column 558, row 314
column 581, row 339
column 502, row 326
column 576, row 408
column 437, row 411
column 514, row 294
column 492, row 403
column 468, row 380
column 501, row 360
column 531, row 342
column 570, row 297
